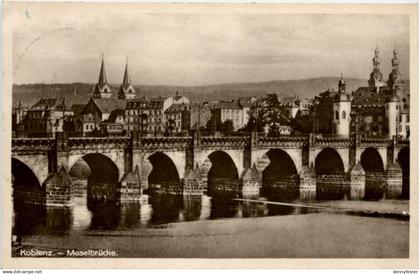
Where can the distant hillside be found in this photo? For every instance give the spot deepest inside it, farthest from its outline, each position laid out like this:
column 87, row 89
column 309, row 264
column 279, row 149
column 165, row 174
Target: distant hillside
column 75, row 93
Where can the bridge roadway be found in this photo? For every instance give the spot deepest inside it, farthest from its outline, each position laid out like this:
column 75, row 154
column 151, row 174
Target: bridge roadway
column 241, row 164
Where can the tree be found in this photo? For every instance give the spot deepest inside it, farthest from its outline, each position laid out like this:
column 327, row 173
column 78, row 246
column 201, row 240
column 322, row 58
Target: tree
column 274, row 115
column 302, row 123
column 227, row 127
column 211, row 125
column 253, row 124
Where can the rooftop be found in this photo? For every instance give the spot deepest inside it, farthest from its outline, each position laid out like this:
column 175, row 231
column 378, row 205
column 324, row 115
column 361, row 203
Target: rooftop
column 177, row 108
column 232, row 104
column 114, row 114
column 108, row 105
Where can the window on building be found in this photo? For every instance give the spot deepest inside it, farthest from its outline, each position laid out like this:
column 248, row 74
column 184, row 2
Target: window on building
column 407, row 128
column 343, row 115
column 400, row 118
column 408, row 118
column 337, row 115
column 400, row 128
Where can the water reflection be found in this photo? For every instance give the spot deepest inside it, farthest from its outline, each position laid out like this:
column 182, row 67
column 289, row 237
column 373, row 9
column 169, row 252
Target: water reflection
column 41, row 220
column 150, row 211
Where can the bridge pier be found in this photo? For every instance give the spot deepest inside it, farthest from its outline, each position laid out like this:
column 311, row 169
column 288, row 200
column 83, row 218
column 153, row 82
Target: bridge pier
column 130, row 186
column 250, row 182
column 58, row 189
column 192, row 184
column 204, row 171
column 145, row 168
column 307, row 183
column 357, row 182
column 393, row 181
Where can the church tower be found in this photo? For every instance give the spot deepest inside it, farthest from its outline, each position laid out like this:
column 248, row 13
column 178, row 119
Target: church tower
column 394, row 76
column 126, row 90
column 392, row 113
column 342, row 109
column 375, row 79
column 102, row 89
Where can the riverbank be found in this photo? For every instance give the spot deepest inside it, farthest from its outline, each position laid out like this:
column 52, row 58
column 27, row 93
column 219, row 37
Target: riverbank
column 317, row 235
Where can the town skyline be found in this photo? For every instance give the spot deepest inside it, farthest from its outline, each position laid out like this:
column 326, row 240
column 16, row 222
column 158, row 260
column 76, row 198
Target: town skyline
column 191, row 50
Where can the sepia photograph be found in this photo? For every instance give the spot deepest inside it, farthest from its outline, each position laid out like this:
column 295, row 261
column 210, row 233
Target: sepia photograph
column 210, row 131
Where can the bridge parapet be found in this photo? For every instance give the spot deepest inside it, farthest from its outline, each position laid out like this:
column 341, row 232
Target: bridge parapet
column 224, row 142
column 282, row 141
column 331, row 141
column 375, row 142
column 77, row 143
column 403, row 143
column 163, row 143
column 32, row 145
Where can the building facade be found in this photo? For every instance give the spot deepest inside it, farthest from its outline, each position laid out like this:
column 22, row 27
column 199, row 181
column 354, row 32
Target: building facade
column 177, row 118
column 378, row 109
column 41, row 119
column 382, row 108
column 98, row 110
column 114, row 125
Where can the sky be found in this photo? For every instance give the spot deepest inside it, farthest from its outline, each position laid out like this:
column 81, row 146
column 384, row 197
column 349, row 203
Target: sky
column 62, row 44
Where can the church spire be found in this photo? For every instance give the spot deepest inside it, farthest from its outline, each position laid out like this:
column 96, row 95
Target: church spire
column 126, row 80
column 375, row 79
column 102, row 89
column 126, row 90
column 102, row 75
column 394, row 76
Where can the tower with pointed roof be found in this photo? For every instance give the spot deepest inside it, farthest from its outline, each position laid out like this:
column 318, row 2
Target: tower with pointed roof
column 126, row 90
column 394, row 76
column 392, row 113
column 342, row 109
column 376, row 78
column 102, row 89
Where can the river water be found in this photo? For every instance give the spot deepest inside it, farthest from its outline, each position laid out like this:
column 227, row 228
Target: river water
column 192, row 222
column 150, row 211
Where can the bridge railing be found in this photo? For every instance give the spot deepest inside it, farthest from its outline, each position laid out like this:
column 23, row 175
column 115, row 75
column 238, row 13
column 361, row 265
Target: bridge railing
column 162, row 142
column 87, row 142
column 181, row 142
column 322, row 140
column 403, row 142
column 34, row 144
column 279, row 140
column 226, row 141
column 383, row 141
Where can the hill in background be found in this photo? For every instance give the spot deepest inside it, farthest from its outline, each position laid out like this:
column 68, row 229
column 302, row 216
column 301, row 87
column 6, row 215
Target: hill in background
column 77, row 93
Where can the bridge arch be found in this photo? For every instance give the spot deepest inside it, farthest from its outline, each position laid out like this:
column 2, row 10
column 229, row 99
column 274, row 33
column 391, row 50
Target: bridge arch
column 163, row 175
column 371, row 160
column 101, row 176
column 39, row 164
column 223, row 174
column 116, row 156
column 280, row 179
column 260, row 158
column 27, row 190
column 373, row 166
column 403, row 159
column 331, row 180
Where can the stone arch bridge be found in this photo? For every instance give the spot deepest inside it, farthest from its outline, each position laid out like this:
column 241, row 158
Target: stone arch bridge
column 305, row 166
